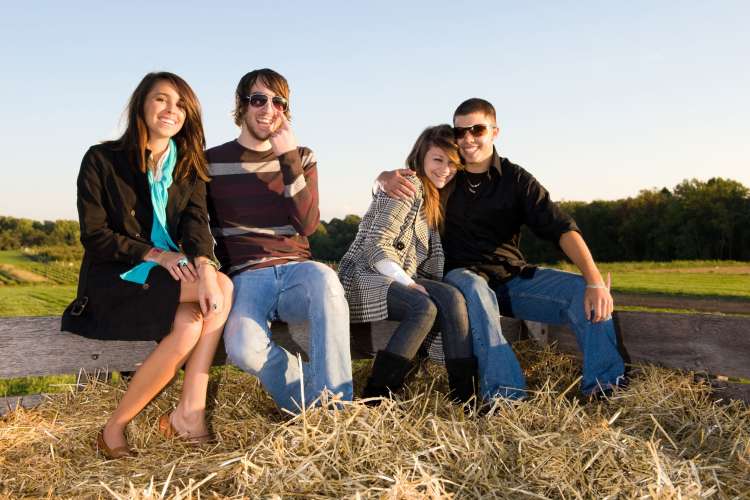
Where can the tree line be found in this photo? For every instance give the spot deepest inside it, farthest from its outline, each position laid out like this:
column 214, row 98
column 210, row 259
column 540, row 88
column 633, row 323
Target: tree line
column 695, row 220
column 707, row 220
column 20, row 233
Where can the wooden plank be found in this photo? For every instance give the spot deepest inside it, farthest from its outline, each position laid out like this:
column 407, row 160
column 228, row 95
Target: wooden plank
column 35, row 346
column 729, row 390
column 11, row 403
column 712, row 305
column 716, row 344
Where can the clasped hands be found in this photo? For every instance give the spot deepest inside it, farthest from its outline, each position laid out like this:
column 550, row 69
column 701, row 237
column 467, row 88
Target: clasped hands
column 210, row 298
column 178, row 266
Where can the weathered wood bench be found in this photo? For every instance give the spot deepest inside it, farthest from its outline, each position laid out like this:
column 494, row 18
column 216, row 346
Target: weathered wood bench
column 715, row 344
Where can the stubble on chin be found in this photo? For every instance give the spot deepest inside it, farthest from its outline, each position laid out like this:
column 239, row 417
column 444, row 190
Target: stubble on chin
column 262, row 136
column 257, row 136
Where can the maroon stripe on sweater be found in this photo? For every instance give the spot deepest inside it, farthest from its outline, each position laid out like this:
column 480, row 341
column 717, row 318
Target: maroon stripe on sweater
column 256, row 200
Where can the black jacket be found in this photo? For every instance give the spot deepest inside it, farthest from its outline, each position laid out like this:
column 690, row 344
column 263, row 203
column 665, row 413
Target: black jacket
column 116, row 216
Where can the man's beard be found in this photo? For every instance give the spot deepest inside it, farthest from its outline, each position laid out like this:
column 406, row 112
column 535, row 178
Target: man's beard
column 255, row 135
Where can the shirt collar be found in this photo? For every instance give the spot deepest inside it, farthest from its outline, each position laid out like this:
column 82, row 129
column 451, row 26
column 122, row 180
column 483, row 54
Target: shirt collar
column 159, row 164
column 497, row 161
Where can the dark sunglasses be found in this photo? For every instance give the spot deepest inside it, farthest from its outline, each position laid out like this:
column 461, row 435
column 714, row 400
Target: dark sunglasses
column 477, row 130
column 258, row 100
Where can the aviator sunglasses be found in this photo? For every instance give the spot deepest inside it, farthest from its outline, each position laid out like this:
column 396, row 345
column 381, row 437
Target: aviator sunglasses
column 258, row 100
column 477, row 130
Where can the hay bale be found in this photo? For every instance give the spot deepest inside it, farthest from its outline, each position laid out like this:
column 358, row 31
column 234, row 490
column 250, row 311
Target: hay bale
column 663, row 437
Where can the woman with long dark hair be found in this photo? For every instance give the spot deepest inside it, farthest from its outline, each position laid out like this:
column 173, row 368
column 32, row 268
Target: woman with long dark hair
column 394, row 267
column 148, row 270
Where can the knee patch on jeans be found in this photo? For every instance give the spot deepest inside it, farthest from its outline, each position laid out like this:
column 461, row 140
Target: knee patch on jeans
column 246, row 345
column 321, row 282
column 328, row 281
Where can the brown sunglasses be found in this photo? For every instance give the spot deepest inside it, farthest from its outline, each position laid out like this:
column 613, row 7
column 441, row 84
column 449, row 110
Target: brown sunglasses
column 477, row 130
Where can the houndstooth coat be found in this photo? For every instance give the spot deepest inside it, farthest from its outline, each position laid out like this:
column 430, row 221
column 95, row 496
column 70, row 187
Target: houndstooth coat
column 391, row 229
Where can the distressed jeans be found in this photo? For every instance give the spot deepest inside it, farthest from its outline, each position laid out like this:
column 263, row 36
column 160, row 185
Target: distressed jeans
column 550, row 296
column 297, row 292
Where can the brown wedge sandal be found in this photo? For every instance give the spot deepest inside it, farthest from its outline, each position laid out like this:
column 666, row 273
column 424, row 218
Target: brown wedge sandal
column 167, row 430
column 112, row 453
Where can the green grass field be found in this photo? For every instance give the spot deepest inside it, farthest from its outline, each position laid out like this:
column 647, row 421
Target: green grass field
column 696, row 278
column 32, row 287
column 736, row 286
column 35, row 385
column 35, row 300
column 18, row 267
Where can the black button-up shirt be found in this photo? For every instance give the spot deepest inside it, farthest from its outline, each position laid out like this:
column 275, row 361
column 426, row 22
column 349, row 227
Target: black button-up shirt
column 482, row 228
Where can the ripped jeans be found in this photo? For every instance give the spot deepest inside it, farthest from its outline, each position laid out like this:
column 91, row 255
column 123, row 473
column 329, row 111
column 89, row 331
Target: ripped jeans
column 297, row 292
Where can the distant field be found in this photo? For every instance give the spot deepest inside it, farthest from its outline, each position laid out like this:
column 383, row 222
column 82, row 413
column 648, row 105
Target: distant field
column 697, row 284
column 18, row 268
column 41, row 282
column 35, row 300
column 724, row 279
column 29, row 287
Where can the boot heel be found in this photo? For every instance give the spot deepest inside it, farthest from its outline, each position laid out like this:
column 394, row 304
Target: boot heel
column 463, row 378
column 387, row 376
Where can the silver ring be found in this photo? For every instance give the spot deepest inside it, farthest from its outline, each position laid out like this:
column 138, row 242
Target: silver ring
column 183, row 262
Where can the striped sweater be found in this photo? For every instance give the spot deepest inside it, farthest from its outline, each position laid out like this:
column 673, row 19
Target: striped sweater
column 262, row 208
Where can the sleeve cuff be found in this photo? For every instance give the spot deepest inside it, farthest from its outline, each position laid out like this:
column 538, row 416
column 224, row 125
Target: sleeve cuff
column 390, row 269
column 291, row 166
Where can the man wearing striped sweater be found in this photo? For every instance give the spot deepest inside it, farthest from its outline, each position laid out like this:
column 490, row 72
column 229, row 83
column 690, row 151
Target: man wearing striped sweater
column 263, row 203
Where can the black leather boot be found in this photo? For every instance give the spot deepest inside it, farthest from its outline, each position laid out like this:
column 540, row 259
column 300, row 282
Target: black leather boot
column 388, row 373
column 463, row 378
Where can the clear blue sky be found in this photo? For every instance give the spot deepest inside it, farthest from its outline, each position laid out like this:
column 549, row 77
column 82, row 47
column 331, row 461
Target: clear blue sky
column 597, row 99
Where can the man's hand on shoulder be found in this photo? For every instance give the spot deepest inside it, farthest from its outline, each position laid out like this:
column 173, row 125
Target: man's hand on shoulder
column 395, row 184
column 598, row 302
column 283, row 139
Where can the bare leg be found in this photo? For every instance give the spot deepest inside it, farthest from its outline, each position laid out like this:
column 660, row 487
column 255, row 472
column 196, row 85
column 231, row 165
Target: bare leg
column 156, row 371
column 189, row 418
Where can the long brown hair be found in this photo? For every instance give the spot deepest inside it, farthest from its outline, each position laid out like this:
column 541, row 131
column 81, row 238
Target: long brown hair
column 440, row 136
column 190, row 140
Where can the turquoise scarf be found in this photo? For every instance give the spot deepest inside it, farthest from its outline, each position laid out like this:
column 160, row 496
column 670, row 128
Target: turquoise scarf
column 159, row 197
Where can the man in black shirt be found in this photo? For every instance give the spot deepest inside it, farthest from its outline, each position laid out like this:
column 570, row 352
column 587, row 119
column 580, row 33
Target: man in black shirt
column 485, row 206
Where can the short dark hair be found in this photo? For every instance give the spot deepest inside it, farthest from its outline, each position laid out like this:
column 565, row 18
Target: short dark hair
column 474, row 105
column 267, row 77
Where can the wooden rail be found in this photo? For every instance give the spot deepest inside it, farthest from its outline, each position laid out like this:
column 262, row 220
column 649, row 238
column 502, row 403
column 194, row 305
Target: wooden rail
column 714, row 344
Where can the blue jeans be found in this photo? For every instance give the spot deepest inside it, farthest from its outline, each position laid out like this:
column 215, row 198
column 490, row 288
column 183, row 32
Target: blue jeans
column 550, row 296
column 296, row 292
